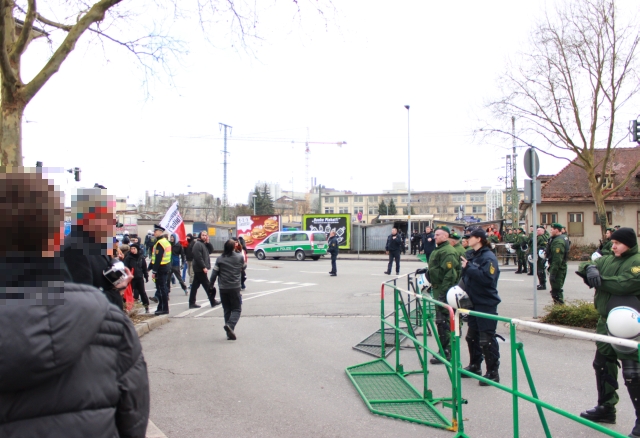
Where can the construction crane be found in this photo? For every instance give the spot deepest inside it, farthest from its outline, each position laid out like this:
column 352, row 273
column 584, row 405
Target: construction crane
column 307, row 153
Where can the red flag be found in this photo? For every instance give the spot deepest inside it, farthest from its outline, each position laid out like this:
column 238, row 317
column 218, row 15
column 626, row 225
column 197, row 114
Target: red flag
column 173, row 224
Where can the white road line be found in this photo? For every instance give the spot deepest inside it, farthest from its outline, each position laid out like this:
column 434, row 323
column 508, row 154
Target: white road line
column 268, row 292
column 385, row 275
column 187, row 302
column 257, row 281
column 185, row 313
column 308, row 284
column 291, row 282
column 274, row 282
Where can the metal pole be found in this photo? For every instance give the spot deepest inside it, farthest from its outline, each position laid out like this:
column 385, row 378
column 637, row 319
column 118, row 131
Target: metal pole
column 514, row 185
column 535, row 241
column 225, row 199
column 409, row 175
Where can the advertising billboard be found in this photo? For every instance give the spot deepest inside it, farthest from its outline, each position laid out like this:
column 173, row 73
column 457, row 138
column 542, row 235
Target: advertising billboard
column 254, row 229
column 340, row 223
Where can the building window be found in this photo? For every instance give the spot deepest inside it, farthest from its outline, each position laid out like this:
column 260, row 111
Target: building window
column 575, row 224
column 373, row 199
column 457, row 209
column 328, row 200
column 425, row 210
column 441, row 209
column 607, row 181
column 343, row 199
column 358, row 199
column 548, row 218
column 477, row 209
column 457, row 198
column 596, row 219
column 343, row 210
column 357, row 210
column 328, row 210
column 477, row 198
column 373, row 210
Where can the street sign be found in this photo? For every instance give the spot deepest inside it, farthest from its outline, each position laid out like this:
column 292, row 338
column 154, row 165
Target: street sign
column 359, row 215
column 531, row 163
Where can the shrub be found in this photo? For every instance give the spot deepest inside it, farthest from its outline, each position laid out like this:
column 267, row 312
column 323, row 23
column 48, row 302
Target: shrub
column 579, row 252
column 578, row 313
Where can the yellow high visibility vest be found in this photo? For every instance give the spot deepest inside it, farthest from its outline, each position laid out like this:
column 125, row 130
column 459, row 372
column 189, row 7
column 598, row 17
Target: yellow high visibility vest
column 166, row 257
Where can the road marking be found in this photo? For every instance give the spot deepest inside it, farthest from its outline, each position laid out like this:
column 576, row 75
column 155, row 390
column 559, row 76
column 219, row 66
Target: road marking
column 385, row 275
column 257, row 281
column 308, row 284
column 268, row 292
column 187, row 302
column 291, row 282
column 274, row 282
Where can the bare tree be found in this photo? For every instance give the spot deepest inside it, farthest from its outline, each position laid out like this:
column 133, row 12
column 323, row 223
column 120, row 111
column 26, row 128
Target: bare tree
column 568, row 89
column 22, row 21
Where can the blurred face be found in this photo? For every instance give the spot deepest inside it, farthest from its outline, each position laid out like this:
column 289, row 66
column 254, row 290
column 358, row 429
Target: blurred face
column 473, row 241
column 441, row 236
column 618, row 248
column 394, row 231
column 607, row 234
column 134, row 250
column 452, row 241
column 204, row 236
column 332, row 233
column 101, row 224
column 555, row 232
column 134, row 240
column 465, row 242
column 427, row 230
column 539, row 231
column 157, row 233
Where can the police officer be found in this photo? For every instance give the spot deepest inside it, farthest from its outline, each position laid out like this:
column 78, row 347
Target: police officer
column 508, row 239
column 542, row 238
column 557, row 252
column 394, row 247
column 333, row 250
column 161, row 268
column 616, row 279
column 480, row 274
column 465, row 243
column 521, row 246
column 454, row 241
column 605, row 247
column 444, row 265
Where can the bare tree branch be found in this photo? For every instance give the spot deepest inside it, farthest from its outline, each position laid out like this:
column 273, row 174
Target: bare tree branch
column 9, row 78
column 25, row 34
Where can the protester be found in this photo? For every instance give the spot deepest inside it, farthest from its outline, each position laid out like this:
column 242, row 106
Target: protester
column 393, row 248
column 72, row 364
column 148, row 243
column 177, row 257
column 201, row 266
column 244, row 252
column 188, row 251
column 428, row 242
column 138, row 266
column 334, row 249
column 228, row 271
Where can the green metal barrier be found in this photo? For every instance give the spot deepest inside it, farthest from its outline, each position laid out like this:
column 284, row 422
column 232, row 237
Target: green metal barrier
column 386, row 391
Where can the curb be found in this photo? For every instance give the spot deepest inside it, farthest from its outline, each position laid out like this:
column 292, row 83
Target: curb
column 153, row 431
column 550, row 333
column 145, row 327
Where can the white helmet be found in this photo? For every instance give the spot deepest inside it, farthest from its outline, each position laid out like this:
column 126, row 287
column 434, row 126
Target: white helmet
column 624, row 322
column 530, row 258
column 509, row 248
column 542, row 254
column 595, row 256
column 458, row 298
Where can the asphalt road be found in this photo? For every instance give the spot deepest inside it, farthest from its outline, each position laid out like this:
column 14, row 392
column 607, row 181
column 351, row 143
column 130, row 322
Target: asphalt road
column 285, row 375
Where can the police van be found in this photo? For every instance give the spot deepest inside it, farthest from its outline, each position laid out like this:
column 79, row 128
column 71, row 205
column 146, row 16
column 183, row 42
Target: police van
column 298, row 244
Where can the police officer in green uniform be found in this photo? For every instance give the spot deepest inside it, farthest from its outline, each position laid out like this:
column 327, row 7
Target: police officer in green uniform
column 605, row 247
column 454, row 241
column 493, row 240
column 616, row 279
column 508, row 239
column 521, row 241
column 542, row 238
column 530, row 250
column 444, row 268
column 557, row 252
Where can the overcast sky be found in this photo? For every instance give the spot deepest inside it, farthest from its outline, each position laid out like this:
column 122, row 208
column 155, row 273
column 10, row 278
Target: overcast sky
column 345, row 80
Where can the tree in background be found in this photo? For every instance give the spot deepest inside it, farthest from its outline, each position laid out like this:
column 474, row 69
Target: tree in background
column 263, row 200
column 382, row 208
column 392, row 207
column 568, row 89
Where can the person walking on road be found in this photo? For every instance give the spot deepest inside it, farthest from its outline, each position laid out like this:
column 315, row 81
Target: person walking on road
column 394, row 248
column 480, row 274
column 444, row 265
column 177, row 257
column 137, row 264
column 428, row 242
column 333, row 250
column 161, row 269
column 188, row 252
column 201, row 266
column 557, row 254
column 616, row 280
column 228, row 271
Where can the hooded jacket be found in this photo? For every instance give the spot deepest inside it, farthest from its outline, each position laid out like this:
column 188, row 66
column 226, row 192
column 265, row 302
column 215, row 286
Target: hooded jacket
column 137, row 263
column 70, row 370
column 178, row 255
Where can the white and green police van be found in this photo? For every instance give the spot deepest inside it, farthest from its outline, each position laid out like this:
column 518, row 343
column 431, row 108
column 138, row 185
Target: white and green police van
column 298, row 244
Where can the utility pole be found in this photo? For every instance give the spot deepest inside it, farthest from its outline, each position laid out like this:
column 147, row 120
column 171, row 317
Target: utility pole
column 225, row 199
column 514, row 184
column 409, row 174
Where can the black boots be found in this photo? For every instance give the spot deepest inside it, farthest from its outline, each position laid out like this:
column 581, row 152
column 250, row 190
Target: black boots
column 600, row 414
column 446, row 354
column 493, row 363
column 542, row 287
column 475, row 368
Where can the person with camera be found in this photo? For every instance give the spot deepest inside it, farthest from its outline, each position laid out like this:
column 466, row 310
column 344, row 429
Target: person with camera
column 88, row 249
column 72, row 364
column 161, row 269
column 228, row 271
column 136, row 263
column 480, row 274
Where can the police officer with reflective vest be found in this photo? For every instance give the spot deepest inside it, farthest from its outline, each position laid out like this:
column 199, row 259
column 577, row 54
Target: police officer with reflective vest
column 480, row 274
column 444, row 266
column 616, row 279
column 557, row 253
column 161, row 268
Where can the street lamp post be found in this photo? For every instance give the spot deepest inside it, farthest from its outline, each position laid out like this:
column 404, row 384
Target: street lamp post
column 254, row 204
column 409, row 174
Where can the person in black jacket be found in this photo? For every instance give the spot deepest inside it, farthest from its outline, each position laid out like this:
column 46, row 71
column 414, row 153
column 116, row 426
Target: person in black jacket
column 201, row 266
column 480, row 274
column 188, row 251
column 178, row 257
column 72, row 364
column 138, row 265
column 428, row 242
column 394, row 247
column 333, row 250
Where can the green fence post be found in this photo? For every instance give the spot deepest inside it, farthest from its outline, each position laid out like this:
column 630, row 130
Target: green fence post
column 532, row 387
column 383, row 336
column 514, row 379
column 396, row 321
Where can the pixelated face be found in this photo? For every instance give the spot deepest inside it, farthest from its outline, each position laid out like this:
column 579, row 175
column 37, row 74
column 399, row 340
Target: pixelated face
column 95, row 212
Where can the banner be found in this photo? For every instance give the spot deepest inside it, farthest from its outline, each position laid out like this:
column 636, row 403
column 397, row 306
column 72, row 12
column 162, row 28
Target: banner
column 340, row 223
column 173, row 224
column 254, row 229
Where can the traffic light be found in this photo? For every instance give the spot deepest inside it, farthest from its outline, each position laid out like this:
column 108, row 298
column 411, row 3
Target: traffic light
column 76, row 173
column 635, row 132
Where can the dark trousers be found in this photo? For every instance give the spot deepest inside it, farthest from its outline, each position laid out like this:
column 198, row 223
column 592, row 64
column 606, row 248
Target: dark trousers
column 334, row 270
column 414, row 248
column 200, row 278
column 175, row 272
column 137, row 284
column 231, row 306
column 394, row 255
column 162, row 288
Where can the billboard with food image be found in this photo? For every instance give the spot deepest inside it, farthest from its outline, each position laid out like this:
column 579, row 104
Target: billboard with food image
column 254, row 229
column 340, row 223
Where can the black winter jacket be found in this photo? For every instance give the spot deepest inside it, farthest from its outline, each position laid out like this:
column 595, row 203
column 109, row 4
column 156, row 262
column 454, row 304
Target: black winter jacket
column 394, row 245
column 71, row 370
column 188, row 251
column 201, row 258
column 481, row 276
column 428, row 245
column 138, row 264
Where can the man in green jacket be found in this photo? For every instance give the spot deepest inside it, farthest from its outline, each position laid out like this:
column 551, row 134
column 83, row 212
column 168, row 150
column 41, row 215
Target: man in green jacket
column 616, row 279
column 557, row 253
column 444, row 268
column 605, row 247
column 508, row 239
column 541, row 244
column 521, row 240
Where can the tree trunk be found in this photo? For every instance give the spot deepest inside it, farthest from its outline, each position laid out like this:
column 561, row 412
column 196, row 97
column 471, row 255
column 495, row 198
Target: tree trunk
column 601, row 209
column 11, row 135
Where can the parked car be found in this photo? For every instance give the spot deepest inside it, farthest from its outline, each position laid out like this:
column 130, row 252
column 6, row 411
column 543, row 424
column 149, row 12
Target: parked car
column 298, row 244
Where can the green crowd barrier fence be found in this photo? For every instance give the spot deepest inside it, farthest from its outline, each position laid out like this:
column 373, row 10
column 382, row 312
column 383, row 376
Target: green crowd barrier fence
column 384, row 387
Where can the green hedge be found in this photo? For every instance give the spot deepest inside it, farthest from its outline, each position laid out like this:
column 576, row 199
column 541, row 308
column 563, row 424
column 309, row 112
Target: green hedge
column 578, row 313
